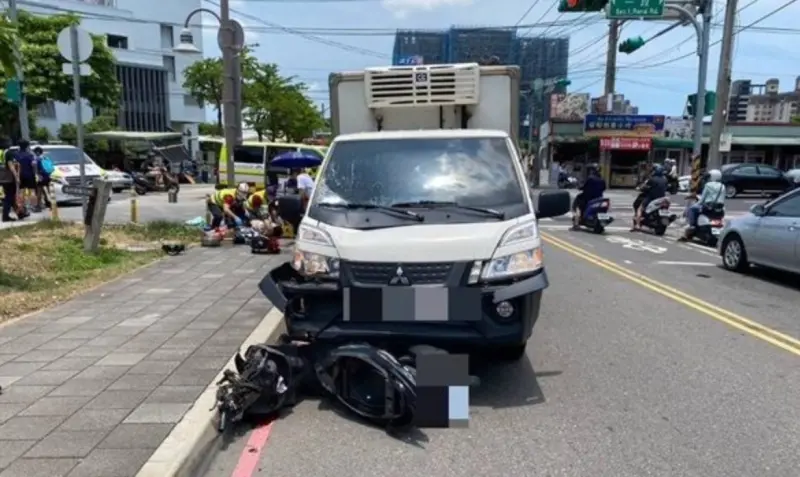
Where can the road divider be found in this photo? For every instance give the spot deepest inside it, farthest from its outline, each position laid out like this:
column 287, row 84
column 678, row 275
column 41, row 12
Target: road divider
column 734, row 320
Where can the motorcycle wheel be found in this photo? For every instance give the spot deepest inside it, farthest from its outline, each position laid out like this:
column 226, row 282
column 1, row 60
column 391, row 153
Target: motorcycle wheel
column 599, row 229
column 712, row 242
column 660, row 230
column 140, row 190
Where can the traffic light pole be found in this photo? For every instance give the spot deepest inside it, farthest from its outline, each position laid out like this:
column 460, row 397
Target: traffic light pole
column 723, row 85
column 24, row 126
column 611, row 59
column 700, row 107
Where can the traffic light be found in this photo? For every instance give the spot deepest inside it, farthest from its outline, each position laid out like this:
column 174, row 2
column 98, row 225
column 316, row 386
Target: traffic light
column 563, row 82
column 14, row 91
column 581, row 5
column 631, row 44
column 710, row 104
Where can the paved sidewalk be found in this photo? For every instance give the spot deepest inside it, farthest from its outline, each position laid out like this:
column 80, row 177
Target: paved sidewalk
column 92, row 387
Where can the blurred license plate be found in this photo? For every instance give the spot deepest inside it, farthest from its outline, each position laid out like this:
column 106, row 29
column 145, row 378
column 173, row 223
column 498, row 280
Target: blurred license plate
column 663, row 213
column 715, row 231
column 602, row 216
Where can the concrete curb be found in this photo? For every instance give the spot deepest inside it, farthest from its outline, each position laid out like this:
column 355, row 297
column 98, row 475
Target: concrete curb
column 187, row 447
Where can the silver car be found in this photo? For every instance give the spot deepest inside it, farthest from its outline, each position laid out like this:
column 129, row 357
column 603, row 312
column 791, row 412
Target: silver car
column 119, row 180
column 768, row 236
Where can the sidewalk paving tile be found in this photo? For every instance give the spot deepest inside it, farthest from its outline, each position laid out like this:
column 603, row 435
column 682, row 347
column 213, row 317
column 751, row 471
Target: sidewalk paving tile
column 92, row 386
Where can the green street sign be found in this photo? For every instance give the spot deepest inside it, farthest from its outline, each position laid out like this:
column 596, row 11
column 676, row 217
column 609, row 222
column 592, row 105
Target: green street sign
column 622, row 9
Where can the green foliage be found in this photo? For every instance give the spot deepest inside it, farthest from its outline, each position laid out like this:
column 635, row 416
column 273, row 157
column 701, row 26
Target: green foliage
column 40, row 134
column 208, row 129
column 7, row 36
column 68, row 133
column 42, row 67
column 275, row 106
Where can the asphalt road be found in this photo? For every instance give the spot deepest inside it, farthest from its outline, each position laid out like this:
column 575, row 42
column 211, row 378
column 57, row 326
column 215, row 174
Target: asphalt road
column 627, row 374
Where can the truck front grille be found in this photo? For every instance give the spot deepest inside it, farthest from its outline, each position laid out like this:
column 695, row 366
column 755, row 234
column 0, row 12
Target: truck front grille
column 380, row 273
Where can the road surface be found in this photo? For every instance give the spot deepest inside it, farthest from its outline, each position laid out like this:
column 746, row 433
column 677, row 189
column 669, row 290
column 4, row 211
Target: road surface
column 648, row 359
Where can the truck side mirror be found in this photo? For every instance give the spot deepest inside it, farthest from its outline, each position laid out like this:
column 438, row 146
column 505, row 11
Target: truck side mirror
column 553, row 204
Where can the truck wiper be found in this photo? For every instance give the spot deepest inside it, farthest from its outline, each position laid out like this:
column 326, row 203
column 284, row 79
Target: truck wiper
column 434, row 203
column 390, row 209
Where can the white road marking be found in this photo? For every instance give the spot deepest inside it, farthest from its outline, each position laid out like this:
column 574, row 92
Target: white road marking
column 688, row 264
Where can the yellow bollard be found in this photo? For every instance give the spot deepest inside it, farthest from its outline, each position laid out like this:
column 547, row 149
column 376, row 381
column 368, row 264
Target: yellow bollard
column 53, row 203
column 134, row 207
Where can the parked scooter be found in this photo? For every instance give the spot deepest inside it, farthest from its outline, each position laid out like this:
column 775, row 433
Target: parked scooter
column 657, row 216
column 143, row 184
column 710, row 222
column 596, row 217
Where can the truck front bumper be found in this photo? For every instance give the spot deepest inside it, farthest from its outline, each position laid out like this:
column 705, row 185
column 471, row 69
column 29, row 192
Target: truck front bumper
column 503, row 314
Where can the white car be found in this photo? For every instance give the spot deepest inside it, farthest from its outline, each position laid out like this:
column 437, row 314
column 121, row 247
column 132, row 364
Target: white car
column 119, row 180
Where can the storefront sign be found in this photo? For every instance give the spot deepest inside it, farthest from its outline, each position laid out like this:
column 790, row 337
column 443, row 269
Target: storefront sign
column 628, row 125
column 625, row 144
column 678, row 128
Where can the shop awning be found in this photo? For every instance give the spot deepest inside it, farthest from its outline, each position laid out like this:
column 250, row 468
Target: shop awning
column 570, row 139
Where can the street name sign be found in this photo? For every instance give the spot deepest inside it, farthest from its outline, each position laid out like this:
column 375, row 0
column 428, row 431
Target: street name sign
column 623, row 9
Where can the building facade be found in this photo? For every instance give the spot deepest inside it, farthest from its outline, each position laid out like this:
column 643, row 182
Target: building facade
column 539, row 58
column 763, row 103
column 141, row 34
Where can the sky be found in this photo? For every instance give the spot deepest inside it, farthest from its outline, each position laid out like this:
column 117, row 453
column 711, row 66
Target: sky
column 282, row 30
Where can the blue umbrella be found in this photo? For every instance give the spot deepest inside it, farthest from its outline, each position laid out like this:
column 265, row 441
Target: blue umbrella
column 295, row 160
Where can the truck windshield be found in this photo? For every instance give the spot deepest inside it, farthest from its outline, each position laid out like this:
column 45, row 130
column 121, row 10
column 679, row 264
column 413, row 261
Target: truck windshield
column 64, row 156
column 476, row 172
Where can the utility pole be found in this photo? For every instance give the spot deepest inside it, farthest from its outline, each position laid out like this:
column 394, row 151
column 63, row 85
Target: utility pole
column 229, row 91
column 723, row 85
column 24, row 126
column 706, row 7
column 611, row 60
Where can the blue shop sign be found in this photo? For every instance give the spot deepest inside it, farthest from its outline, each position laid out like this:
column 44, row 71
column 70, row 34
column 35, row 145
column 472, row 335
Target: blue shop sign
column 629, row 125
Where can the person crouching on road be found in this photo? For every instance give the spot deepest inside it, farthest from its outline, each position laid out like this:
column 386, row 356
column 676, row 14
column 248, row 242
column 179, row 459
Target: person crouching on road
column 228, row 205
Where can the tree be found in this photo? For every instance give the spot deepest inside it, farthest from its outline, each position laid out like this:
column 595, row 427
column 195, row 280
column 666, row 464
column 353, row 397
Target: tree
column 209, row 129
column 278, row 107
column 7, row 36
column 68, row 133
column 42, row 67
column 203, row 80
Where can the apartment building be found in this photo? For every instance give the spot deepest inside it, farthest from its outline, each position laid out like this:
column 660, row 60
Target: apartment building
column 763, row 103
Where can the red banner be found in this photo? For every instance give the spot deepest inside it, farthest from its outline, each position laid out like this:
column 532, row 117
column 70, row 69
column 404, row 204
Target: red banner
column 626, row 143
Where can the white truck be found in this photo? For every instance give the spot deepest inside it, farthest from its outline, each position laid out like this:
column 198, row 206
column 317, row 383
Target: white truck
column 422, row 227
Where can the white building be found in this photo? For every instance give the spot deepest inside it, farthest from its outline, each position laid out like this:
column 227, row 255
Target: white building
column 773, row 106
column 142, row 34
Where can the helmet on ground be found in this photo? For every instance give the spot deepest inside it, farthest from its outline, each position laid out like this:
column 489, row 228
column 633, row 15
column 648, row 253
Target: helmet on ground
column 658, row 170
column 714, row 175
column 242, row 191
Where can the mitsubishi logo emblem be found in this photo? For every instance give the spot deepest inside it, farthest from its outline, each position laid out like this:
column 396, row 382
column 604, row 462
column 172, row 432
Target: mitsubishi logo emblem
column 399, row 279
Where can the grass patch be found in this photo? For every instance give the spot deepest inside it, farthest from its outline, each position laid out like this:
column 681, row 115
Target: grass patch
column 44, row 263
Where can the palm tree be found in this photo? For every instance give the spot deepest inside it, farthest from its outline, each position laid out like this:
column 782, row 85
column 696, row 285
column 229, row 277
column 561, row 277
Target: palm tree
column 7, row 38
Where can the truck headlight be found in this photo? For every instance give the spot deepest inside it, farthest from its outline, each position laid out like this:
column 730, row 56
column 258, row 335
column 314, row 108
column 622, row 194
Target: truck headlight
column 315, row 264
column 314, row 235
column 519, row 263
column 519, row 233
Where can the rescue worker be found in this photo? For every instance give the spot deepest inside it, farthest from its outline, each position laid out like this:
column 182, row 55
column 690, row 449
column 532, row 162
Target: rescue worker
column 228, row 205
column 256, row 205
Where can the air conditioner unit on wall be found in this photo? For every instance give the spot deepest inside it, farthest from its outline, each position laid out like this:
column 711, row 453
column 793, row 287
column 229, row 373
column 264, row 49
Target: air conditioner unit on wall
column 422, row 85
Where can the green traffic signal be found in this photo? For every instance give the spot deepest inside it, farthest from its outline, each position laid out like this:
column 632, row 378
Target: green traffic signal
column 709, row 105
column 581, row 5
column 631, row 44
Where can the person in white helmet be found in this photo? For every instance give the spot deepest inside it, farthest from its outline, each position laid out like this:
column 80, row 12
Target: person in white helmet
column 713, row 194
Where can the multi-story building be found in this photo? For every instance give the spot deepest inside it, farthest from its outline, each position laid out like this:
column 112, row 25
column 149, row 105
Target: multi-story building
column 141, row 34
column 539, row 58
column 763, row 103
column 773, row 106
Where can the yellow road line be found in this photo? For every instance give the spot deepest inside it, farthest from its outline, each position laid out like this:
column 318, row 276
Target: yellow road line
column 741, row 323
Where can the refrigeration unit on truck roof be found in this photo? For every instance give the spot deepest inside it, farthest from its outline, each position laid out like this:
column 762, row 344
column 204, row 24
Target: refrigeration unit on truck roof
column 423, row 85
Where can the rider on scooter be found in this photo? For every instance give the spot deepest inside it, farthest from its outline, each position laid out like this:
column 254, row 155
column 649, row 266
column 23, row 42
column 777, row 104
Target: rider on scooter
column 654, row 188
column 592, row 188
column 713, row 194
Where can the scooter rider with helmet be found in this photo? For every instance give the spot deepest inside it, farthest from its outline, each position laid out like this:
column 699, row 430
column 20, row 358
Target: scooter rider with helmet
column 654, row 188
column 713, row 194
column 228, row 204
column 592, row 188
